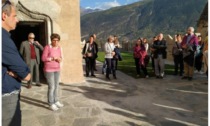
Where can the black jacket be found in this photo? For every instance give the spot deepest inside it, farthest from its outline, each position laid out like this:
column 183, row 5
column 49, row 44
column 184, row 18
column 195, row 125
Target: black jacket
column 117, row 53
column 160, row 48
column 94, row 50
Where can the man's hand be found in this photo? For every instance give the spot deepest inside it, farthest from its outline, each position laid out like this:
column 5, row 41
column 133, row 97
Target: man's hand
column 12, row 74
column 37, row 43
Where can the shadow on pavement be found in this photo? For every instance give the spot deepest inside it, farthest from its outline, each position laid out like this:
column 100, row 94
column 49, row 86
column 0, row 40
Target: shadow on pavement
column 34, row 102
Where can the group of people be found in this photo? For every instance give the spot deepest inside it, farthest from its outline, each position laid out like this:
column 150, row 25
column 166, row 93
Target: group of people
column 112, row 56
column 188, row 53
column 158, row 55
column 30, row 51
column 23, row 65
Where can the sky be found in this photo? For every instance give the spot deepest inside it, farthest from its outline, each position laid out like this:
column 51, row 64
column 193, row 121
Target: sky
column 104, row 4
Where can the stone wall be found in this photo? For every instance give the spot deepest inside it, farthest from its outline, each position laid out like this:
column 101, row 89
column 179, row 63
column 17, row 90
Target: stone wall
column 68, row 24
column 203, row 22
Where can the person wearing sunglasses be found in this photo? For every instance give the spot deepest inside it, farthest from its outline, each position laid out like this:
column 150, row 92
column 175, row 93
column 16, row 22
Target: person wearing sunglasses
column 14, row 69
column 30, row 51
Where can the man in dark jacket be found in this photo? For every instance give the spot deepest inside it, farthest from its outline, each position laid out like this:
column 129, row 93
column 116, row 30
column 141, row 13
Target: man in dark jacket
column 160, row 54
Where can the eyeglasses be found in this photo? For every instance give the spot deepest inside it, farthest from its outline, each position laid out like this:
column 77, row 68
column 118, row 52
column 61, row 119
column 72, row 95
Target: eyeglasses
column 6, row 2
column 31, row 38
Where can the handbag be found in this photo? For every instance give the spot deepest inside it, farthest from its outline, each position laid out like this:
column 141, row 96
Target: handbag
column 116, row 57
column 89, row 54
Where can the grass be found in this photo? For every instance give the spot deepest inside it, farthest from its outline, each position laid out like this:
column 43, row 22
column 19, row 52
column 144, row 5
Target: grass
column 128, row 65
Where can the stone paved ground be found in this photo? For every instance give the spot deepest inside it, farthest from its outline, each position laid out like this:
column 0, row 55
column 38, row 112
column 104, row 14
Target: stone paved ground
column 122, row 102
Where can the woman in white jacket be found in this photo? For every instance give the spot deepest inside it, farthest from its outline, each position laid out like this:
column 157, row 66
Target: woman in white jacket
column 109, row 54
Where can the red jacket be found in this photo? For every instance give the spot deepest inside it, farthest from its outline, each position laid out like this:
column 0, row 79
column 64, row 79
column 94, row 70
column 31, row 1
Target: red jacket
column 140, row 52
column 193, row 40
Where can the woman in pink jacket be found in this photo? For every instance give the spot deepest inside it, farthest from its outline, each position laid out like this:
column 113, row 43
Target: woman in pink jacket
column 52, row 57
column 139, row 53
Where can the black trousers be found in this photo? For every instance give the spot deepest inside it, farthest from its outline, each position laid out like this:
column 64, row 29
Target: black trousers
column 11, row 113
column 110, row 67
column 138, row 67
column 178, row 64
column 198, row 62
column 89, row 65
column 116, row 64
column 153, row 63
column 95, row 64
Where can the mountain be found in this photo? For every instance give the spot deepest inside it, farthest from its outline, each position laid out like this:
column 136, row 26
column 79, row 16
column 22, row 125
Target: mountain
column 146, row 18
column 84, row 11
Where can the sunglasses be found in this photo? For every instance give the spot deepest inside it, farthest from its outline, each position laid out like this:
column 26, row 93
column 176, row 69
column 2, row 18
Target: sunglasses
column 6, row 2
column 31, row 38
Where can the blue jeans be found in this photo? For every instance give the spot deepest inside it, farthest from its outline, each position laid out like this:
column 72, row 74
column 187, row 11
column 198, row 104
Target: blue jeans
column 110, row 67
column 53, row 84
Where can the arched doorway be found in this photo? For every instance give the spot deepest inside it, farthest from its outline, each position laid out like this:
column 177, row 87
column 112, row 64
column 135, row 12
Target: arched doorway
column 23, row 28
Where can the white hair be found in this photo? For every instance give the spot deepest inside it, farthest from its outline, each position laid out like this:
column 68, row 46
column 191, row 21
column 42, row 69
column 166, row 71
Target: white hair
column 192, row 29
column 31, row 34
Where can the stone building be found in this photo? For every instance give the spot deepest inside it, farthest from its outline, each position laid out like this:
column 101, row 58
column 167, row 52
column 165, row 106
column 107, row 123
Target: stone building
column 44, row 17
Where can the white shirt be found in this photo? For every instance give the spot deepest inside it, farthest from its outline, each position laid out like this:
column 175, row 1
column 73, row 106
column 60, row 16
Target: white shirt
column 146, row 45
column 109, row 48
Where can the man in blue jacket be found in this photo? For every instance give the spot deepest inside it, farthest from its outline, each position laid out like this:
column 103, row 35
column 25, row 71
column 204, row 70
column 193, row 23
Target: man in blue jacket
column 14, row 69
